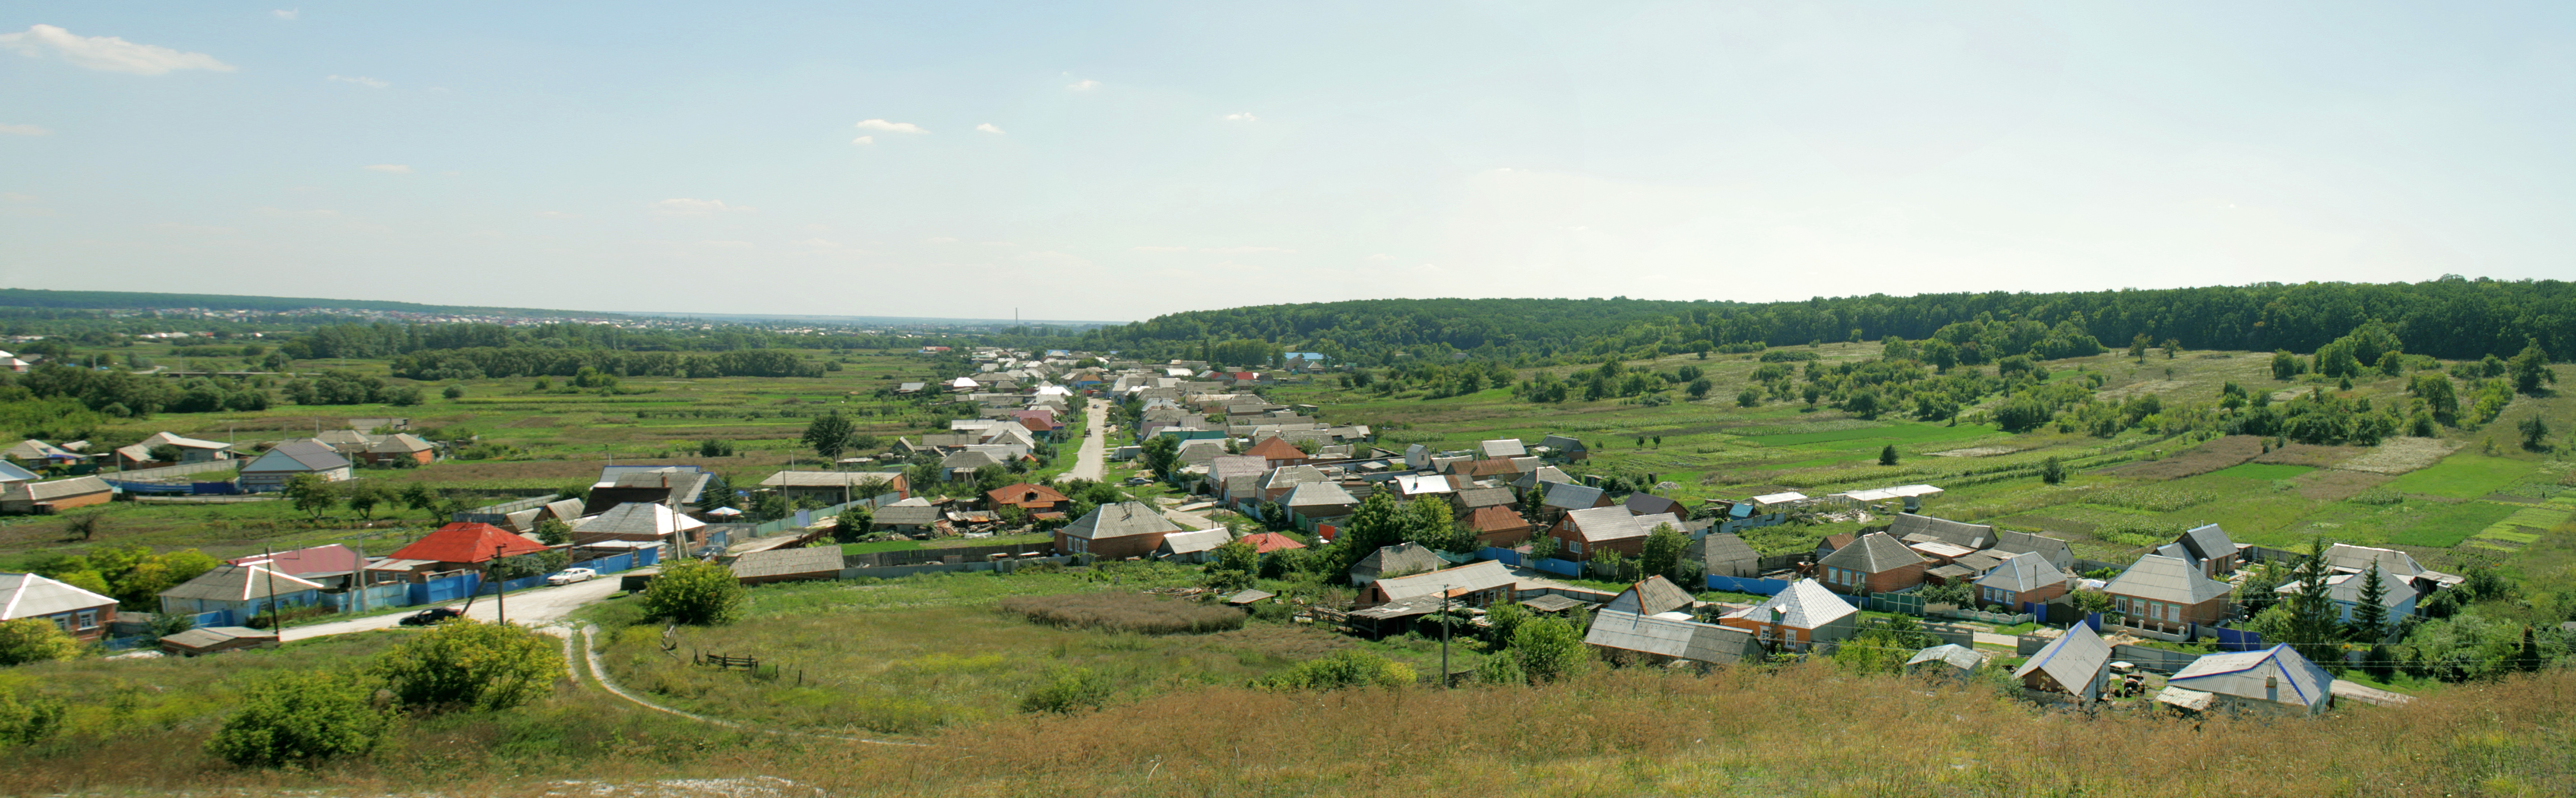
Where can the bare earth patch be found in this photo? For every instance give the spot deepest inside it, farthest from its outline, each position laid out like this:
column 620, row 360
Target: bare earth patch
column 2218, row 453
column 1976, row 451
column 2139, row 388
column 2336, row 485
column 2400, row 455
column 2307, row 455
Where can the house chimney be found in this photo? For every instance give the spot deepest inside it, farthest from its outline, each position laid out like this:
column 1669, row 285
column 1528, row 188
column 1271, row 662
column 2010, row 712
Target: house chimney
column 2272, row 688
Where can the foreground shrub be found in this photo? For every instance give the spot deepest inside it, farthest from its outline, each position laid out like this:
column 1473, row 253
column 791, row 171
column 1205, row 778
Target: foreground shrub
column 300, row 718
column 28, row 640
column 468, row 664
column 27, row 718
column 1124, row 612
column 1067, row 690
column 695, row 592
column 1346, row 668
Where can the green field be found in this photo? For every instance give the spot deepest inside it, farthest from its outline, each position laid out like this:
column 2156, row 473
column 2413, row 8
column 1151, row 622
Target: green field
column 2465, row 475
column 2263, row 471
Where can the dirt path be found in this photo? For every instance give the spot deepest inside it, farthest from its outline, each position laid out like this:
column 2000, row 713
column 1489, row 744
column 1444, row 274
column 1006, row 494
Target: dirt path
column 1089, row 462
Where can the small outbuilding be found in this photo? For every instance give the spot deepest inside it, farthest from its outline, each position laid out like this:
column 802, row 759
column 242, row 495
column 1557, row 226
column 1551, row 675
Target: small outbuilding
column 2071, row 667
column 1952, row 660
column 216, row 639
column 2275, row 679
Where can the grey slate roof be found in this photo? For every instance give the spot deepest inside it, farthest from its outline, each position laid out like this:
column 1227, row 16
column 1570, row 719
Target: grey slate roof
column 1951, row 654
column 1723, row 554
column 1876, row 552
column 2056, row 551
column 298, row 457
column 2207, row 542
column 637, row 518
column 968, row 460
column 914, row 511
column 1473, row 498
column 2348, row 557
column 788, row 562
column 1573, row 497
column 32, row 596
column 1470, row 578
column 1807, row 603
column 49, row 491
column 1123, row 519
column 1399, row 558
column 1600, row 524
column 1319, row 494
column 1974, row 536
column 1653, row 595
column 1504, row 447
column 1548, row 475
column 1688, row 640
column 2074, row 659
column 238, row 583
column 1650, row 504
column 1193, row 542
column 2156, row 577
column 2024, row 571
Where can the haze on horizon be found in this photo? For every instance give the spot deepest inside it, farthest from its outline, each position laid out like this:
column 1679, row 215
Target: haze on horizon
column 1123, row 160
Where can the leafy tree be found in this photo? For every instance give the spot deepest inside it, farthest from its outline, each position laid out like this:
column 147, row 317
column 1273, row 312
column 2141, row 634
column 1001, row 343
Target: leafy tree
column 2286, row 365
column 1662, row 555
column 364, row 495
column 453, row 392
column 1548, row 649
column 1161, row 453
column 84, row 526
column 853, row 523
column 296, row 718
column 695, row 592
column 1749, row 397
column 1699, row 388
column 553, row 531
column 2535, row 432
column 2370, row 618
column 312, row 494
column 1234, row 567
column 1066, row 691
column 2313, row 625
column 714, row 447
column 1887, row 456
column 828, row 435
column 469, row 664
column 1542, row 547
column 1955, row 592
column 535, row 563
column 2530, row 369
column 1503, row 620
column 718, row 493
column 419, row 496
column 28, row 640
column 2052, row 471
column 2092, row 601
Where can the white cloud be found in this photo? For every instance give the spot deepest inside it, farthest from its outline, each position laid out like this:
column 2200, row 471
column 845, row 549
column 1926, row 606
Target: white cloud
column 199, row 229
column 287, row 14
column 939, row 240
column 890, row 127
column 1382, row 257
column 557, row 215
column 25, row 130
column 1161, row 249
column 392, row 168
column 864, row 140
column 1242, row 117
column 106, row 53
column 1084, row 85
column 368, row 82
column 682, row 206
column 729, row 244
column 1243, row 250
column 12, row 196
column 988, row 127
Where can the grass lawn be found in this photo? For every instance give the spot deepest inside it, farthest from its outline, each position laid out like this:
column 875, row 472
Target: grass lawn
column 2266, row 471
column 943, row 543
column 2465, row 475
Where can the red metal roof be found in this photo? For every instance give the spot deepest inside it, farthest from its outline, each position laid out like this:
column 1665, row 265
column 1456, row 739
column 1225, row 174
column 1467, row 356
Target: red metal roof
column 1267, row 542
column 1026, row 494
column 1497, row 519
column 467, row 543
column 1276, row 449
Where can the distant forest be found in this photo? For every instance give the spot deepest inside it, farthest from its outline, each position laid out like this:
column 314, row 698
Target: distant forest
column 2452, row 317
column 104, row 300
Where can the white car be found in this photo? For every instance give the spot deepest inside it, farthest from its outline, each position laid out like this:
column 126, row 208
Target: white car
column 570, row 575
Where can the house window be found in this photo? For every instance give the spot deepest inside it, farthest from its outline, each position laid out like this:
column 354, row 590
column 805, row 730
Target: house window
column 1575, row 546
column 63, row 622
column 89, row 619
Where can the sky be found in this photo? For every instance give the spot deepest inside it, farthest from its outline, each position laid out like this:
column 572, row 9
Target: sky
column 1117, row 161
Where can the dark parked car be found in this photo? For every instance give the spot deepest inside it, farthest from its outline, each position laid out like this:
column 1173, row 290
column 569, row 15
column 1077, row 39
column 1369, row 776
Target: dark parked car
column 431, row 616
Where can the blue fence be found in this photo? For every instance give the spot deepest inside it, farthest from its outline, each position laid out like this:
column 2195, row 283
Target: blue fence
column 216, row 618
column 1559, row 567
column 2235, row 639
column 1759, row 587
column 1504, row 556
column 448, row 589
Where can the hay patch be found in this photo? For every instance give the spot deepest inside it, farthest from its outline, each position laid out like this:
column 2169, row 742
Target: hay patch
column 2336, row 485
column 2218, row 453
column 1976, row 451
column 2301, row 454
column 2141, row 388
column 2399, row 455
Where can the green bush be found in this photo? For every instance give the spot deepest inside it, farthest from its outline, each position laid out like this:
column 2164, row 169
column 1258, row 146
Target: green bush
column 468, row 664
column 1067, row 690
column 1345, row 668
column 27, row 718
column 299, row 718
column 2378, row 495
column 28, row 640
column 695, row 592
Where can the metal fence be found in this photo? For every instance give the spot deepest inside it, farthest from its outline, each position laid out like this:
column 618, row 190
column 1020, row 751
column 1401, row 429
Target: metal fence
column 1996, row 618
column 1759, row 587
column 166, row 472
column 888, row 559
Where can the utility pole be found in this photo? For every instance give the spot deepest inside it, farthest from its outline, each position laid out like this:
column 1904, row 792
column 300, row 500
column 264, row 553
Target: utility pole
column 269, row 560
column 500, row 591
column 1445, row 622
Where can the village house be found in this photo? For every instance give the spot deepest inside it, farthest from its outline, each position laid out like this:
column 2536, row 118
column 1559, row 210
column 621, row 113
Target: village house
column 2021, row 579
column 2167, row 593
column 401, row 447
column 1583, row 535
column 2345, row 558
column 1658, row 638
column 190, row 450
column 1115, row 531
column 913, row 516
column 269, row 472
column 462, row 546
column 2396, row 601
column 787, row 565
column 82, row 614
column 1317, row 502
column 2273, row 680
column 55, row 496
column 241, row 590
column 676, row 487
column 1476, row 584
column 1651, row 504
column 1722, row 554
column 1193, row 547
column 643, row 522
column 1500, row 527
column 1566, row 448
column 1562, row 499
column 2207, row 546
column 1392, row 561
column 1800, row 616
column 1278, row 452
column 1875, row 563
column 1034, row 499
column 2073, row 666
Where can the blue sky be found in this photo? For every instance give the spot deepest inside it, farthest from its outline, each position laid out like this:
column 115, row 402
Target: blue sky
column 1117, row 161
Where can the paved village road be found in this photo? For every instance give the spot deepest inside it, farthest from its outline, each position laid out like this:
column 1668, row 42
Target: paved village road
column 530, row 607
column 1089, row 461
